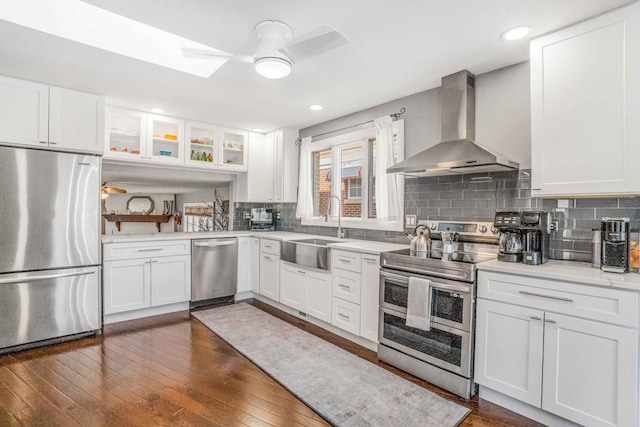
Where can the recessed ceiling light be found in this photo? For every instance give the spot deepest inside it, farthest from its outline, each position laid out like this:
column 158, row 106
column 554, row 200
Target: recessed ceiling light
column 516, row 33
column 87, row 24
column 156, row 110
column 260, row 130
column 315, row 107
column 272, row 67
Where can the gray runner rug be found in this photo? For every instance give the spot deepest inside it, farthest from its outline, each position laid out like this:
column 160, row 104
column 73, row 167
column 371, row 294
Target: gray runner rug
column 344, row 388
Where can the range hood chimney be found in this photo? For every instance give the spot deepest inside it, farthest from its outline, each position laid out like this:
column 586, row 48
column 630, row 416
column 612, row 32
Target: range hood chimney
column 458, row 153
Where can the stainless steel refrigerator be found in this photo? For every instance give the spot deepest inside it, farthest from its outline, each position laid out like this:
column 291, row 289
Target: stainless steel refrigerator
column 50, row 253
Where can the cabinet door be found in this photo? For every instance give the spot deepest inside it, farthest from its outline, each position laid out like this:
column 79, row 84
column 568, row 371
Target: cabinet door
column 270, row 276
column 255, row 265
column 291, row 159
column 346, row 285
column 292, row 286
column 127, row 285
column 244, row 264
column 369, row 297
column 24, row 112
column 585, row 100
column 234, row 149
column 346, row 315
column 318, row 295
column 255, row 174
column 170, row 280
column 509, row 350
column 278, row 164
column 268, row 168
column 76, row 121
column 202, row 147
column 165, row 139
column 126, row 134
column 590, row 371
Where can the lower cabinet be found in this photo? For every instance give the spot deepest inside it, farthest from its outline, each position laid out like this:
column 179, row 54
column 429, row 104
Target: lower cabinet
column 270, row 276
column 579, row 369
column 370, row 297
column 306, row 290
column 254, row 268
column 244, row 264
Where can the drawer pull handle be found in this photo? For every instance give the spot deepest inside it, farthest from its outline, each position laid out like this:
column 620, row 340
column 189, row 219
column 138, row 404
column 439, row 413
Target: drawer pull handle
column 344, row 286
column 302, row 272
column 369, row 259
column 550, row 321
column 536, row 318
column 346, row 261
column 533, row 294
column 266, row 257
column 150, row 250
column 343, row 316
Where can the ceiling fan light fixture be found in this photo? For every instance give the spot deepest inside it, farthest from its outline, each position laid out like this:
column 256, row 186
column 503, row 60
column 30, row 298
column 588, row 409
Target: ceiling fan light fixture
column 272, row 67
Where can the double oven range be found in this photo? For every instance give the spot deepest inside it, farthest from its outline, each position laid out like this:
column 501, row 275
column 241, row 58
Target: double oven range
column 443, row 355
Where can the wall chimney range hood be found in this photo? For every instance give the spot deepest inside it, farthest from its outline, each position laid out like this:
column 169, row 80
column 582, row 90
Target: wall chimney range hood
column 458, row 153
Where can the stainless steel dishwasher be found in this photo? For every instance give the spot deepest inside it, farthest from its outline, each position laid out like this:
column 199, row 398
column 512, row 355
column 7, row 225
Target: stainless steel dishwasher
column 214, row 271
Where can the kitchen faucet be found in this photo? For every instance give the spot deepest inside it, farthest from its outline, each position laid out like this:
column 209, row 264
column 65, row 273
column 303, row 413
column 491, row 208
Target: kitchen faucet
column 341, row 234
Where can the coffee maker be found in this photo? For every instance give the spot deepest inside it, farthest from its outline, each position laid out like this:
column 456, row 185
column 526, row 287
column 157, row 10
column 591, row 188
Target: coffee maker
column 524, row 236
column 615, row 245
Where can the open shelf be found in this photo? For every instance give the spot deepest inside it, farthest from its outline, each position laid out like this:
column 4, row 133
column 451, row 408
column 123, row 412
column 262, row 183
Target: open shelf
column 120, row 218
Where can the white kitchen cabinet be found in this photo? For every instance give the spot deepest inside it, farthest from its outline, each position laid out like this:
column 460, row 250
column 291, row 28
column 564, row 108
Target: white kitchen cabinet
column 346, row 315
column 145, row 278
column 318, row 294
column 234, row 149
column 127, row 285
column 569, row 349
column 202, row 145
column 272, row 176
column 585, row 100
column 293, row 282
column 33, row 114
column 137, row 136
column 255, row 265
column 270, row 276
column 369, row 297
column 245, row 264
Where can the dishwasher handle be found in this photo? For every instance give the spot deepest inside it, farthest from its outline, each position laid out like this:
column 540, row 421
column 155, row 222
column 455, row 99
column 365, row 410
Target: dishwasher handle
column 214, row 243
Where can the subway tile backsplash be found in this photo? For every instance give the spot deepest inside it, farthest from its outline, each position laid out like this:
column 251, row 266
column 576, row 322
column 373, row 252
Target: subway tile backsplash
column 477, row 197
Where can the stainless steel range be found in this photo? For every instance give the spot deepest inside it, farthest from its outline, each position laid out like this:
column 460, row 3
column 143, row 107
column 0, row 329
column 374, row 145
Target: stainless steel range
column 442, row 352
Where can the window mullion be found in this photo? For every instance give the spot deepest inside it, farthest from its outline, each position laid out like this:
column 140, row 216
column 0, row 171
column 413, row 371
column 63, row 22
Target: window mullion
column 337, row 181
column 364, row 181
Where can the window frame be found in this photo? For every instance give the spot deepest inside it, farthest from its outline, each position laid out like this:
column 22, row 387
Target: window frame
column 360, row 138
column 349, row 198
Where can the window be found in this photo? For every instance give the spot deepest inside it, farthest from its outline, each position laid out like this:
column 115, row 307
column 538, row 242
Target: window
column 345, row 167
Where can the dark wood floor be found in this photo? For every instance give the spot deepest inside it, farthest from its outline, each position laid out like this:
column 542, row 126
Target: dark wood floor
column 170, row 370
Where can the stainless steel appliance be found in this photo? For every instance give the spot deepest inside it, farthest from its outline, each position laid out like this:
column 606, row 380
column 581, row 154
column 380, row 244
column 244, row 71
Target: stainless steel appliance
column 214, row 271
column 615, row 245
column 262, row 219
column 50, row 234
column 524, row 236
column 443, row 354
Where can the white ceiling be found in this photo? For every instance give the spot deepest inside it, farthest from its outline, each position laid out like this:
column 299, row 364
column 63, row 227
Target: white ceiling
column 396, row 48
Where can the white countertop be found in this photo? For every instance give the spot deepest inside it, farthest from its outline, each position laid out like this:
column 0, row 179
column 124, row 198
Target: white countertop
column 362, row 246
column 569, row 271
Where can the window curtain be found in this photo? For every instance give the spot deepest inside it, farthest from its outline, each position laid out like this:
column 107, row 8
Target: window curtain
column 304, row 208
column 387, row 185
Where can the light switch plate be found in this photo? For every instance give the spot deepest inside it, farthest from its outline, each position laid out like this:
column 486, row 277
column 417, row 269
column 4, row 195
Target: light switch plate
column 409, row 221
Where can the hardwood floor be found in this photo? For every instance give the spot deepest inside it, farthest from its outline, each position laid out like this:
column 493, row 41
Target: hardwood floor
column 170, row 370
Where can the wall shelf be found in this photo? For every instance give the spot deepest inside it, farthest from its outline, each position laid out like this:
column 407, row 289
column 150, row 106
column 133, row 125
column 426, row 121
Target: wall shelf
column 119, row 218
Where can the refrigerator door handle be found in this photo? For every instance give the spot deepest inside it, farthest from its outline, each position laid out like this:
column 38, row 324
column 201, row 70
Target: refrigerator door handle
column 214, row 244
column 45, row 277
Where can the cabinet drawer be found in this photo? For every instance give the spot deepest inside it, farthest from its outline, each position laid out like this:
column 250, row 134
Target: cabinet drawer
column 344, row 260
column 347, row 285
column 574, row 299
column 122, row 251
column 346, row 315
column 270, row 246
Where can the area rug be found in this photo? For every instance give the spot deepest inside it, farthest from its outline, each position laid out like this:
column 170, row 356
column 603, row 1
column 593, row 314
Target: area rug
column 343, row 388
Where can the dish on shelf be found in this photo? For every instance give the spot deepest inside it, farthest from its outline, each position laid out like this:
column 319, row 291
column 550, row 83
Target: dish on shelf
column 135, row 151
column 170, row 137
column 202, row 141
column 165, row 153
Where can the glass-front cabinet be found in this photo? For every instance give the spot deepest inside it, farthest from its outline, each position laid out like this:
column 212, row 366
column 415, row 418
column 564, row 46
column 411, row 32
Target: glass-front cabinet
column 202, row 147
column 165, row 136
column 126, row 134
column 234, row 153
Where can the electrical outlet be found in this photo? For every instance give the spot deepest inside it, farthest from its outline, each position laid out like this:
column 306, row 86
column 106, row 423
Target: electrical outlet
column 409, row 221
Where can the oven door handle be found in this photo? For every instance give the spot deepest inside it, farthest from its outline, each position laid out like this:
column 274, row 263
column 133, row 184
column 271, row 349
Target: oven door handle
column 398, row 277
column 434, row 283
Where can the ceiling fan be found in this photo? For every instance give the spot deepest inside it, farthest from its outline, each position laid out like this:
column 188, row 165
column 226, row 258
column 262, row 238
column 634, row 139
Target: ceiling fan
column 105, row 191
column 277, row 49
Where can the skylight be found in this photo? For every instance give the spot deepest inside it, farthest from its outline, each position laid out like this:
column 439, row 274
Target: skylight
column 87, row 24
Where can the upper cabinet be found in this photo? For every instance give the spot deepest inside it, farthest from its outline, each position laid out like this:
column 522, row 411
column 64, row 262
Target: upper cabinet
column 165, row 139
column 234, row 153
column 585, row 100
column 272, row 176
column 33, row 114
column 202, row 145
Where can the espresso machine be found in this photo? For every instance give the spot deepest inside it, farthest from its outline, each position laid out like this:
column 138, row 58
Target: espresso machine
column 524, row 236
column 615, row 245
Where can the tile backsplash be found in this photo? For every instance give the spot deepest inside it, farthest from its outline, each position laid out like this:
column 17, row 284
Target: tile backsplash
column 477, row 197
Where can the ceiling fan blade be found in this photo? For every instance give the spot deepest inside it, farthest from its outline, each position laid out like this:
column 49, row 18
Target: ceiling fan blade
column 204, row 54
column 114, row 190
column 316, row 42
